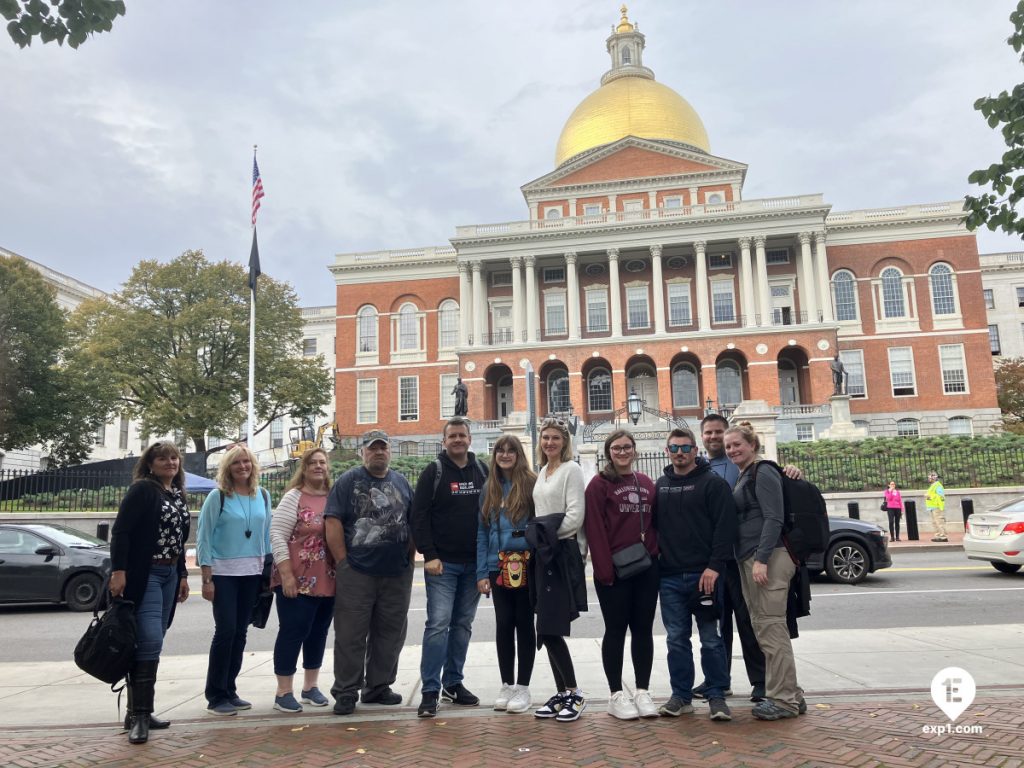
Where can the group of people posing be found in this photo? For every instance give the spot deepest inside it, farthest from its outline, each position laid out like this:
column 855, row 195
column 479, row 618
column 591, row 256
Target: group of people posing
column 706, row 538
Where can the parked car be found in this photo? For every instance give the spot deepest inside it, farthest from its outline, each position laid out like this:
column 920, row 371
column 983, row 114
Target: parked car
column 51, row 564
column 997, row 536
column 855, row 549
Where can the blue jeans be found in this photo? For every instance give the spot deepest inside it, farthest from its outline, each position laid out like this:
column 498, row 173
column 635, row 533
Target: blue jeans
column 303, row 622
column 452, row 598
column 154, row 611
column 676, row 592
column 233, row 599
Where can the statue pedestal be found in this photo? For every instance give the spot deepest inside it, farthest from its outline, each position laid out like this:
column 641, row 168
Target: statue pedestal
column 762, row 419
column 842, row 425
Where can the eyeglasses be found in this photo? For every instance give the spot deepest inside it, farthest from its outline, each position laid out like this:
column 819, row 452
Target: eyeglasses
column 621, row 448
column 684, row 448
column 505, row 451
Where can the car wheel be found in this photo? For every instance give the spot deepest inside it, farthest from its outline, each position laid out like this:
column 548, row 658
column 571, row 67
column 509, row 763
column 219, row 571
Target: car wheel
column 82, row 592
column 847, row 562
column 1005, row 567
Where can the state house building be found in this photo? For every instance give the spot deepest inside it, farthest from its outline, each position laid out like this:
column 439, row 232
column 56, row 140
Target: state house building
column 642, row 267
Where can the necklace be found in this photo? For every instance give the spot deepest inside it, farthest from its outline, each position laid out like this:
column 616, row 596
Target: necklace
column 248, row 517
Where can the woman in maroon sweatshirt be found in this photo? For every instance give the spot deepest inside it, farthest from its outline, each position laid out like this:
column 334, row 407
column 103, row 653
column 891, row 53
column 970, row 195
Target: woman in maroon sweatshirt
column 619, row 507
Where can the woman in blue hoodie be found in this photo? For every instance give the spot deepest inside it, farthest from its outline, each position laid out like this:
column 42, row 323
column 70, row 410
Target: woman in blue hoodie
column 506, row 504
column 233, row 542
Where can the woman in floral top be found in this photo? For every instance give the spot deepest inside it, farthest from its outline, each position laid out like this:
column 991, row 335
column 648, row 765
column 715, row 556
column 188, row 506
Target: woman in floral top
column 303, row 579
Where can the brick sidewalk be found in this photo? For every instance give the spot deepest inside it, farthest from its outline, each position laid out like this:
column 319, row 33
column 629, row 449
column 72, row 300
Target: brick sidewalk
column 842, row 734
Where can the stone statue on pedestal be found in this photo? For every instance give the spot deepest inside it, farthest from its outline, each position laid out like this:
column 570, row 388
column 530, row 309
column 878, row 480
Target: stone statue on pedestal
column 461, row 392
column 839, row 376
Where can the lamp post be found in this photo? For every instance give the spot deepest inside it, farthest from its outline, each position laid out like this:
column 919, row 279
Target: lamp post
column 708, row 410
column 634, row 407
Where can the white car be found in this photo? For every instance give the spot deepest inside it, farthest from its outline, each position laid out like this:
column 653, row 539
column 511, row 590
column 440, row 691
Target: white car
column 997, row 536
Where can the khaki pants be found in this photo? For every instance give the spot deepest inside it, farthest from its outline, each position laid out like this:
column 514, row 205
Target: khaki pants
column 938, row 522
column 767, row 607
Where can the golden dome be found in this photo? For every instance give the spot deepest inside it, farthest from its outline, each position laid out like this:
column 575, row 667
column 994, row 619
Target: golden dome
column 630, row 106
column 624, row 25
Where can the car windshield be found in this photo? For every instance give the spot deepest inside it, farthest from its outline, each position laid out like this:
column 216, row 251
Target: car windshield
column 1015, row 507
column 68, row 537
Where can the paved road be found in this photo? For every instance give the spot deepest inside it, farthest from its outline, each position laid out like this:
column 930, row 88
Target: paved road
column 922, row 589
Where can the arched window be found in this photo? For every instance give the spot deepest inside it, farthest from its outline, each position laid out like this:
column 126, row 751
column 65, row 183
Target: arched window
column 599, row 390
column 408, row 328
column 627, row 55
column 367, row 329
column 558, row 391
column 940, row 278
column 961, row 425
column 844, row 288
column 685, row 393
column 448, row 324
column 553, row 213
column 892, row 293
column 908, row 428
column 730, row 383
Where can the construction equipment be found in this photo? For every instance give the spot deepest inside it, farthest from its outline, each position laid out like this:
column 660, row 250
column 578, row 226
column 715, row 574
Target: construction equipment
column 302, row 438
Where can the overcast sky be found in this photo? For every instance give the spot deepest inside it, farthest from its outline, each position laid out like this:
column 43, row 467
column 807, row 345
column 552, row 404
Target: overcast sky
column 386, row 124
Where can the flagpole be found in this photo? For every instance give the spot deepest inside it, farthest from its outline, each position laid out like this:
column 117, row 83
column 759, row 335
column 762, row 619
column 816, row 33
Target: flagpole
column 254, row 272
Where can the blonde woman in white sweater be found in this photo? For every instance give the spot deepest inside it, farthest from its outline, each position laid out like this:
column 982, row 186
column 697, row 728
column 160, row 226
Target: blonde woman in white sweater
column 559, row 490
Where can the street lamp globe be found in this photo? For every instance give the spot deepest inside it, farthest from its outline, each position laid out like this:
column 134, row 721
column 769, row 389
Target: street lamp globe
column 634, row 407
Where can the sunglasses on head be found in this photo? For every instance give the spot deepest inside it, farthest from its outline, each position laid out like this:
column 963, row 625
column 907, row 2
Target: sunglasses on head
column 551, row 421
column 684, row 448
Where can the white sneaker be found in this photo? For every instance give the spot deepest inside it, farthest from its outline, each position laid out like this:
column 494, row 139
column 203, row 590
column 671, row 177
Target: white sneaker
column 622, row 707
column 501, row 701
column 644, row 704
column 520, row 700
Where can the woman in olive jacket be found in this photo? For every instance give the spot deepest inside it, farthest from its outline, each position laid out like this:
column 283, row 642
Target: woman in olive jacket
column 147, row 553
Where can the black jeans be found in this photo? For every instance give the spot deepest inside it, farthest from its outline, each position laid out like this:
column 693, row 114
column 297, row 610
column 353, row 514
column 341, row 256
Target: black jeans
column 561, row 662
column 629, row 604
column 233, row 599
column 894, row 522
column 733, row 603
column 513, row 618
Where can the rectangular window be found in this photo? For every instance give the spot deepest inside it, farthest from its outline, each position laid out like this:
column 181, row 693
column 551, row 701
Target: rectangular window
column 366, row 401
column 277, row 433
column 777, row 256
column 408, row 398
column 679, row 304
column 591, row 209
column 597, row 311
column 554, row 314
column 448, row 382
column 993, row 340
column 122, row 441
column 723, row 305
column 853, row 362
column 501, row 279
column 633, row 206
column 100, row 435
column 636, row 307
column 719, row 260
column 805, row 433
column 901, row 371
column 673, row 203
column 1020, row 297
column 554, row 274
column 309, row 347
column 954, row 369
column 990, row 299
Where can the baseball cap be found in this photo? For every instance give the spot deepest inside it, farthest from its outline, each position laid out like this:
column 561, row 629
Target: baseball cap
column 374, row 436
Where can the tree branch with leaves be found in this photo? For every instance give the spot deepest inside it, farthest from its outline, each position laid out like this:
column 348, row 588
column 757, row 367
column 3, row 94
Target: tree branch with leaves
column 59, row 20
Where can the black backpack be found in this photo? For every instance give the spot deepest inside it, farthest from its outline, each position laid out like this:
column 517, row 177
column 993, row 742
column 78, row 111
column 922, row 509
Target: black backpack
column 438, row 469
column 805, row 528
column 107, row 649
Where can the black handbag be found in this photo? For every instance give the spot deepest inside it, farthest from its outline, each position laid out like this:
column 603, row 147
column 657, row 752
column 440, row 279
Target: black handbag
column 635, row 558
column 884, row 506
column 107, row 649
column 265, row 598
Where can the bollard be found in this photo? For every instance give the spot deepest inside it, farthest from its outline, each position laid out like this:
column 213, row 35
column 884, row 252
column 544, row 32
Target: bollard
column 853, row 509
column 103, row 531
column 967, row 508
column 910, row 513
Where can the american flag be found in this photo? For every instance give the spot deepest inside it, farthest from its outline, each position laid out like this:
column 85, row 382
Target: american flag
column 257, row 189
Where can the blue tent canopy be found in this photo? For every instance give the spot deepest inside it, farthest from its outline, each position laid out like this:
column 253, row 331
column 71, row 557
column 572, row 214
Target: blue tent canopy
column 198, row 483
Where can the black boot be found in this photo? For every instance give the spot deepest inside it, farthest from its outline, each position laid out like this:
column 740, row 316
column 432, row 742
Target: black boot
column 142, row 679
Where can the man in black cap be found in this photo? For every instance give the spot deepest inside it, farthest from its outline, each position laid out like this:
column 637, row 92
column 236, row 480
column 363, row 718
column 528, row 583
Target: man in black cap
column 367, row 530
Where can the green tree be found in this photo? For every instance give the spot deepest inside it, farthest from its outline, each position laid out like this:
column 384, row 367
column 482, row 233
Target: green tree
column 1010, row 392
column 45, row 397
column 999, row 207
column 175, row 341
column 60, row 20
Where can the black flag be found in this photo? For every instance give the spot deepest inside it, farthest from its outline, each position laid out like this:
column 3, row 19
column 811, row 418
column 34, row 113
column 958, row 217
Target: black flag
column 254, row 262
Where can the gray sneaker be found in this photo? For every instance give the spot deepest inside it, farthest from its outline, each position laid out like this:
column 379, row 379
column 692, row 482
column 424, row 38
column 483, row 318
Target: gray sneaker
column 719, row 709
column 675, row 707
column 700, row 690
column 769, row 710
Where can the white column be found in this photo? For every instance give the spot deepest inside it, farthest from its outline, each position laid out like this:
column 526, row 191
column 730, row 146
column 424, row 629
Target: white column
column 701, row 286
column 479, row 305
column 465, row 306
column 658, row 286
column 612, row 207
column 821, row 270
column 747, row 284
column 534, row 211
column 572, row 299
column 735, row 192
column 764, row 302
column 531, row 300
column 517, row 298
column 572, row 207
column 693, row 196
column 808, row 288
column 615, row 290
column 652, row 200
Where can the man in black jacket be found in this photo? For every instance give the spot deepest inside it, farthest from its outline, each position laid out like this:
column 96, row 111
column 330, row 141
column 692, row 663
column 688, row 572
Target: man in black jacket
column 444, row 514
column 696, row 521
